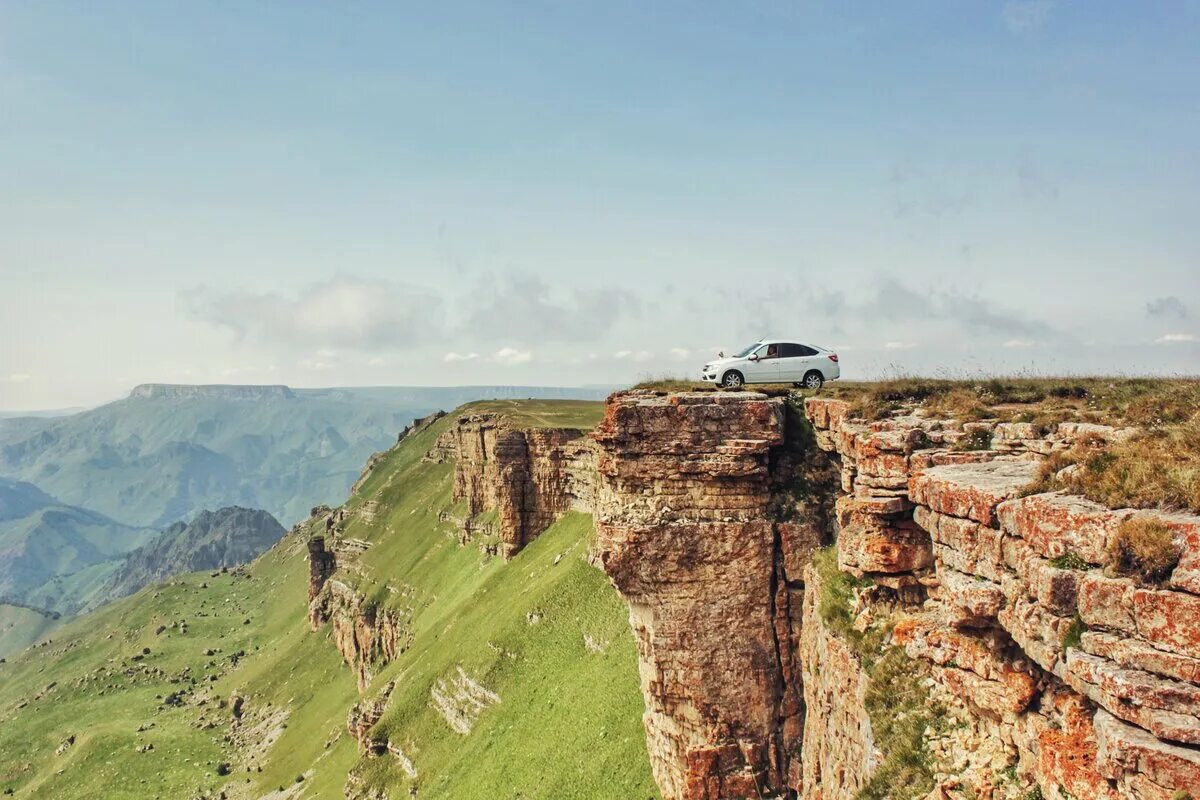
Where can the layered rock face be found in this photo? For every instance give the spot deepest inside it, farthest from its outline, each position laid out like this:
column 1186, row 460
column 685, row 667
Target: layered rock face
column 365, row 634
column 1083, row 683
column 685, row 530
column 528, row 476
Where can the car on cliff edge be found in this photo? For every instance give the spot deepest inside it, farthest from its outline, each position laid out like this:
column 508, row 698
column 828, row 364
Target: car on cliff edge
column 775, row 361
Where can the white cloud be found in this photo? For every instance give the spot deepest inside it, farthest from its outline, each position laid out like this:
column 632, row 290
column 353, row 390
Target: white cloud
column 344, row 312
column 452, row 357
column 1026, row 16
column 16, row 377
column 1019, row 343
column 1175, row 338
column 315, row 364
column 511, row 356
column 898, row 345
column 640, row 356
column 680, row 353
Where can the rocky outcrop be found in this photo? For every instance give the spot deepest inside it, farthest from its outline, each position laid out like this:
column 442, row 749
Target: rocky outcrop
column 698, row 537
column 366, row 634
column 527, row 476
column 1059, row 673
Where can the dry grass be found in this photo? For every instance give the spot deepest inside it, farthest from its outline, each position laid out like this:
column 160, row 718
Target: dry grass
column 1159, row 468
column 1144, row 548
column 1143, row 402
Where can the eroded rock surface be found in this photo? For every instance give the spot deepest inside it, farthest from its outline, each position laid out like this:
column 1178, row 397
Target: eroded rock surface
column 528, row 476
column 687, row 533
column 1087, row 682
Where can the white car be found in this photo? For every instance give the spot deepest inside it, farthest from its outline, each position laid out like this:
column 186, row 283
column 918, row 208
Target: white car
column 775, row 361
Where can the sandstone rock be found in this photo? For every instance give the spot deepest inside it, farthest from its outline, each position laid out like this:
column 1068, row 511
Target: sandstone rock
column 977, row 667
column 680, row 510
column 1057, row 589
column 1039, row 633
column 1057, row 524
column 1067, row 750
column 527, row 476
column 899, row 547
column 1148, row 768
column 973, row 602
column 1135, row 654
column 964, row 545
column 839, row 753
column 1168, row 709
column 364, row 633
column 1165, row 619
column 1186, row 527
column 971, row 491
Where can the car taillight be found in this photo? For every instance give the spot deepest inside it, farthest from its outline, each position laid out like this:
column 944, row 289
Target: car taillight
column 833, row 357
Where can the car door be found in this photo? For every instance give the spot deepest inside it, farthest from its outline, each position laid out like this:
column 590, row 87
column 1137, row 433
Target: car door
column 792, row 362
column 764, row 368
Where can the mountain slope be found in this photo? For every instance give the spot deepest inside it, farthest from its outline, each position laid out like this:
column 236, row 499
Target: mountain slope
column 21, row 626
column 535, row 653
column 214, row 539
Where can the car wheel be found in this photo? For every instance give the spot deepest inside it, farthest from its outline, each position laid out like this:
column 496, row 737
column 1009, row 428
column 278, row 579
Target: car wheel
column 813, row 380
column 732, row 379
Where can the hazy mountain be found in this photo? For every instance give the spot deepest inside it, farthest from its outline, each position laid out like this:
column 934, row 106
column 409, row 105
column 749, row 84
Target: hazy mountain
column 214, row 539
column 41, row 538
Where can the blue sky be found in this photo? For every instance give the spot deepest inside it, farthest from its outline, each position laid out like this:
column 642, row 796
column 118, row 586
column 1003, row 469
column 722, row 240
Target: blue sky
column 362, row 193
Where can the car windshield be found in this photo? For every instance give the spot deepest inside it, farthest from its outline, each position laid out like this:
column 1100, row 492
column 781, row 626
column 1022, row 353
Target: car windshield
column 749, row 349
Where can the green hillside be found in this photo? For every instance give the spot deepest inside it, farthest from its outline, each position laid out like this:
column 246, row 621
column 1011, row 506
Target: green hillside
column 21, row 626
column 543, row 636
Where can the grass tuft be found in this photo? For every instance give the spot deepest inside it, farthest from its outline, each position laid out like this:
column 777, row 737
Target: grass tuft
column 1144, row 548
column 1071, row 561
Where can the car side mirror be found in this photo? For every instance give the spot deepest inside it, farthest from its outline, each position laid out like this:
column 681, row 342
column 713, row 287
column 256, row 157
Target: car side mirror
column 754, row 356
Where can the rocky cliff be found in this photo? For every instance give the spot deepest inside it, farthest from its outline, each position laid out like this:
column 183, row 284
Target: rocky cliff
column 527, row 476
column 1052, row 670
column 827, row 608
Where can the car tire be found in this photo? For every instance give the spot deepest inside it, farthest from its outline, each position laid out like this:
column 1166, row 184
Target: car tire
column 732, row 380
column 813, row 379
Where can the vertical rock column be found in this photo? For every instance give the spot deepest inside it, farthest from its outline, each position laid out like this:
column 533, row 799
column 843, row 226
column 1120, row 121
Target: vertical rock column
column 683, row 532
column 524, row 475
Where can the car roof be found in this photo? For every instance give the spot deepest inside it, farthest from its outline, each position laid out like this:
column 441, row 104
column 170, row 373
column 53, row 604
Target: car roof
column 791, row 341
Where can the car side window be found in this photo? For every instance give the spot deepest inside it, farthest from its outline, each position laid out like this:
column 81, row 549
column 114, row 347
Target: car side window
column 772, row 351
column 790, row 350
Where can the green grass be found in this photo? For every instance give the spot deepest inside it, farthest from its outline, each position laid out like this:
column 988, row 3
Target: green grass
column 21, row 627
column 568, row 723
column 579, row 414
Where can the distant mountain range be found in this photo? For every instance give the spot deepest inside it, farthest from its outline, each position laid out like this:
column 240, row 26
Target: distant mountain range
column 78, row 492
